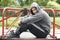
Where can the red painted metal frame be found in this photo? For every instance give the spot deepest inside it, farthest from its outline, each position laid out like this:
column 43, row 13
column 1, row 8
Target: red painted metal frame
column 52, row 10
column 46, row 9
column 6, row 19
column 4, row 9
column 3, row 23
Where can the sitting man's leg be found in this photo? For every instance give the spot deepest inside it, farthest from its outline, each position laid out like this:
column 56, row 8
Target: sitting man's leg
column 23, row 27
column 37, row 32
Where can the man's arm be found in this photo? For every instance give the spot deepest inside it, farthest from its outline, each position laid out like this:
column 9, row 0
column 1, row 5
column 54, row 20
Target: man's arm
column 32, row 18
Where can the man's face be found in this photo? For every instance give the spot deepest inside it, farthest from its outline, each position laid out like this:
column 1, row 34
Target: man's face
column 34, row 10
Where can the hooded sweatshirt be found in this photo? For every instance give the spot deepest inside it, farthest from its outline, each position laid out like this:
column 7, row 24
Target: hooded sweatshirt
column 40, row 20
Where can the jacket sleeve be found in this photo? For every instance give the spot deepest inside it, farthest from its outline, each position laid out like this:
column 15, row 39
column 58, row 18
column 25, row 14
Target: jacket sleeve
column 33, row 18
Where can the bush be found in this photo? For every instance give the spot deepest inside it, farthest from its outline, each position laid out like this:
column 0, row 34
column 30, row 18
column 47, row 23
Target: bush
column 54, row 5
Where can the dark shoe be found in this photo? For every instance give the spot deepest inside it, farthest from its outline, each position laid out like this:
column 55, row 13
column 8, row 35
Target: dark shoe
column 12, row 35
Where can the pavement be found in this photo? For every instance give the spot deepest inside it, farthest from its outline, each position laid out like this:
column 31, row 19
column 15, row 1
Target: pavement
column 28, row 35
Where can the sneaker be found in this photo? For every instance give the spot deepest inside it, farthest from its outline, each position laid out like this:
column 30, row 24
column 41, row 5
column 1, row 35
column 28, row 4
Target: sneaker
column 12, row 35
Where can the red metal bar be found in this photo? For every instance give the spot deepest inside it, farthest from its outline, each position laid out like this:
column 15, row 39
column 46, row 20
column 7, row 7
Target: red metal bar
column 3, row 23
column 48, row 9
column 11, row 26
column 6, row 19
column 53, row 20
column 57, row 26
column 9, row 16
column 22, row 8
column 53, row 24
column 11, row 8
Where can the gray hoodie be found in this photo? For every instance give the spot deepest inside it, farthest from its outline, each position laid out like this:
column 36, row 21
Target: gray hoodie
column 40, row 20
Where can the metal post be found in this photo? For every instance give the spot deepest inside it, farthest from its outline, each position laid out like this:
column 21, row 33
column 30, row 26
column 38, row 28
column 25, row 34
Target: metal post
column 49, row 9
column 3, row 24
column 6, row 19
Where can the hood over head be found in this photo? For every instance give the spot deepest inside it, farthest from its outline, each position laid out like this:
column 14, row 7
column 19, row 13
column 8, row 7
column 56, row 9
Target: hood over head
column 34, row 4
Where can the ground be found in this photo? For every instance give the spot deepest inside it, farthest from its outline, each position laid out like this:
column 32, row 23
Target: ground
column 28, row 35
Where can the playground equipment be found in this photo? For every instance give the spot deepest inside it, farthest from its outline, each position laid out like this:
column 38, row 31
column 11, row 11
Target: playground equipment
column 7, row 17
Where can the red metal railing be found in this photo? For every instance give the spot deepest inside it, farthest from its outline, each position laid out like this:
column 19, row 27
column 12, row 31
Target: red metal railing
column 52, row 10
column 6, row 9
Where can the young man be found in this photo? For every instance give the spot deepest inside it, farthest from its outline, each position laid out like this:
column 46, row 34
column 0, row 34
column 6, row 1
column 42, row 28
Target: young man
column 38, row 23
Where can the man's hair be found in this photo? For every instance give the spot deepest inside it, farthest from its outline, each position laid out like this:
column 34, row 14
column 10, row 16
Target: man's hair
column 25, row 11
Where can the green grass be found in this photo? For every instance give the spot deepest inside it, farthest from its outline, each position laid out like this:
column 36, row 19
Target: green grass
column 10, row 20
column 57, row 20
column 16, row 24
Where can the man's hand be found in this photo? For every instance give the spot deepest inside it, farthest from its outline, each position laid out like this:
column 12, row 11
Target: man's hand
column 19, row 23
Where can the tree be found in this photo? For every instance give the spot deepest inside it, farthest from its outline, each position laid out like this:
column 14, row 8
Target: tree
column 21, row 3
column 58, row 1
column 5, row 3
